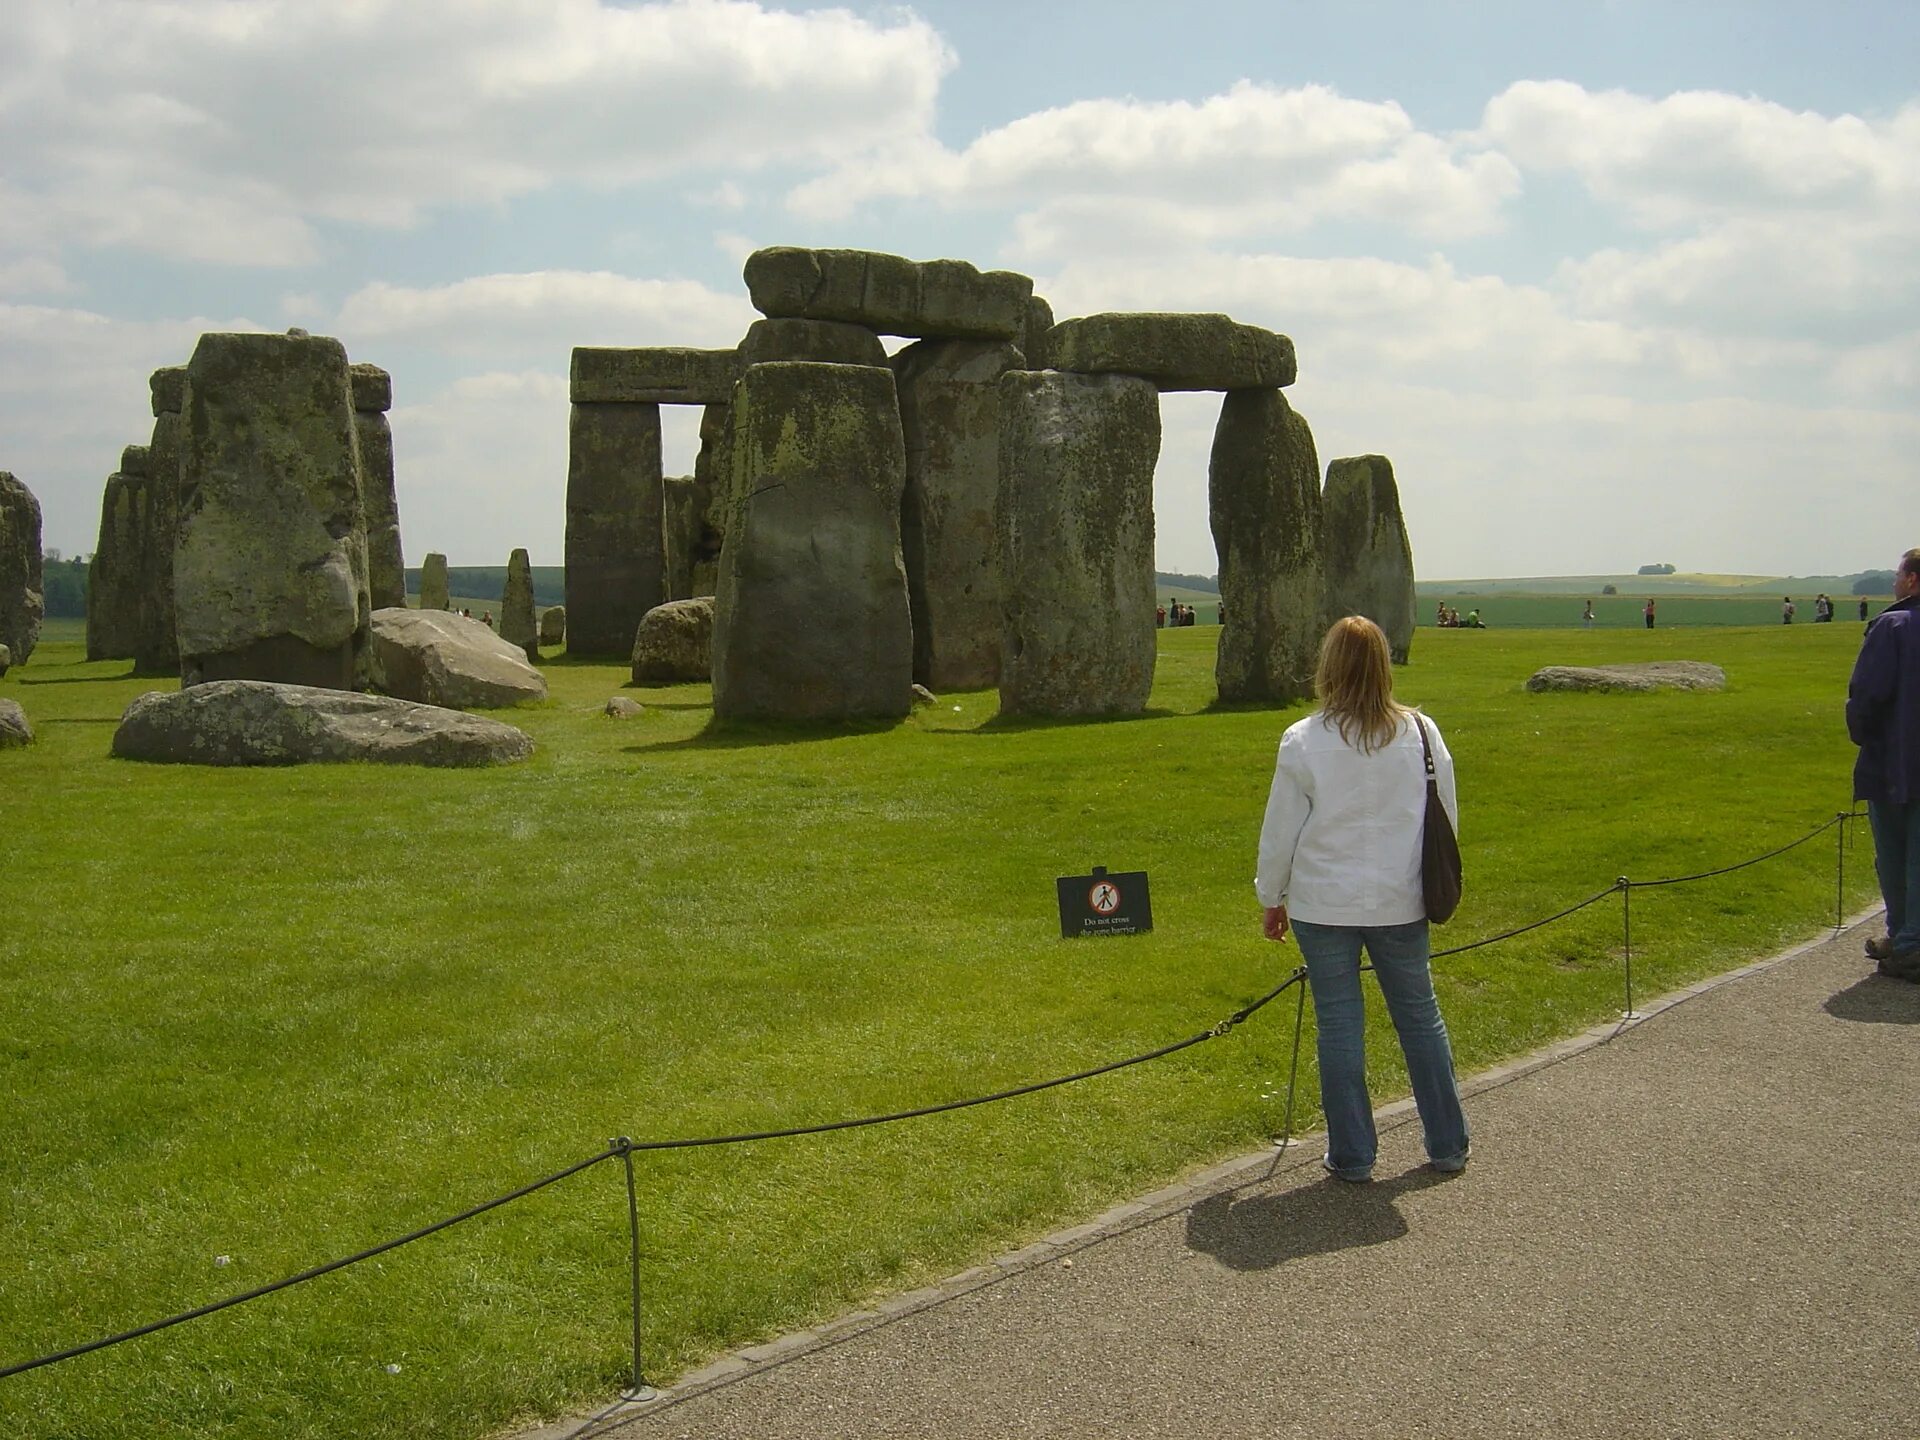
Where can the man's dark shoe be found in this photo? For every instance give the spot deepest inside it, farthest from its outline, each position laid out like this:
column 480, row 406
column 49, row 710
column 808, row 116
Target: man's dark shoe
column 1901, row 965
column 1880, row 947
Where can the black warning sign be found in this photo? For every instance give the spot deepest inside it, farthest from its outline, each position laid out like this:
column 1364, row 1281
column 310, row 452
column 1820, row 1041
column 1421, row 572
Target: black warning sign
column 1104, row 904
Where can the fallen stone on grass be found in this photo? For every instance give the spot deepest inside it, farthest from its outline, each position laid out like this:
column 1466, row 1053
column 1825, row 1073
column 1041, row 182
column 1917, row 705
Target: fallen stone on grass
column 622, row 707
column 436, row 657
column 14, row 729
column 255, row 722
column 675, row 642
column 1633, row 679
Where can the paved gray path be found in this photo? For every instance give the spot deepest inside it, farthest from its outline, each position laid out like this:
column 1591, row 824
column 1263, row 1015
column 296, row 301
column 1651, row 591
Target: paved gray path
column 1702, row 1226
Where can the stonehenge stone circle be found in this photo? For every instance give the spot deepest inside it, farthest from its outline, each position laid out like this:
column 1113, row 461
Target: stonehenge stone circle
column 156, row 639
column 1642, row 678
column 1367, row 559
column 660, row 375
column 811, row 618
column 386, row 564
column 831, row 342
column 251, row 722
column 270, row 567
column 1075, row 525
column 1176, row 352
column 950, row 417
column 14, row 729
column 1263, row 485
column 22, row 602
column 934, row 299
column 553, row 626
column 615, row 569
column 437, row 658
column 675, row 642
column 516, row 607
column 433, row 583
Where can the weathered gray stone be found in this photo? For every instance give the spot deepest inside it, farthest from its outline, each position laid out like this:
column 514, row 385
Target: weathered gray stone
column 950, row 417
column 1263, row 485
column 1075, row 522
column 6, row 660
column 615, row 566
column 113, row 574
column 372, row 388
column 270, row 564
column 516, row 607
column 1034, row 349
column 656, row 375
column 251, row 722
column 692, row 543
column 933, row 299
column 1635, row 679
column 622, row 707
column 438, row 658
column 1365, row 554
column 156, row 642
column 675, row 642
column 713, row 479
column 553, row 626
column 433, row 583
column 14, row 729
column 1176, row 352
column 829, row 342
column 167, row 390
column 811, row 619
column 133, row 460
column 22, row 603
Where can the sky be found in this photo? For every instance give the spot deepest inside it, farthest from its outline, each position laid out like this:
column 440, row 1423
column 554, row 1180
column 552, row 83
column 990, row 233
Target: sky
column 1611, row 284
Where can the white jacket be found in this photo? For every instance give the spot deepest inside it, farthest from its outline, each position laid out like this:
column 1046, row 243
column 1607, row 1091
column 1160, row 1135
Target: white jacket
column 1341, row 841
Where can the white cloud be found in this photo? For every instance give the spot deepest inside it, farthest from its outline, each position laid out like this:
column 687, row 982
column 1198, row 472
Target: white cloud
column 226, row 132
column 1253, row 159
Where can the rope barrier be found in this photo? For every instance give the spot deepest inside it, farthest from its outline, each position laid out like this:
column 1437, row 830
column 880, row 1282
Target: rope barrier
column 624, row 1148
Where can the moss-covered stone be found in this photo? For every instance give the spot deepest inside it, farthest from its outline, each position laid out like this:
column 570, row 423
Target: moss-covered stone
column 1365, row 553
column 615, row 568
column 1074, row 518
column 113, row 575
column 1176, row 352
column 22, row 601
column 933, row 299
column 433, row 582
column 516, row 607
column 653, row 375
column 1263, row 485
column 829, row 342
column 372, row 388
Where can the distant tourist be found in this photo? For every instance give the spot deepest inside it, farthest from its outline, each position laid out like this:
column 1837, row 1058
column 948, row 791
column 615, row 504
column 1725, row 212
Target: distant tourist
column 1473, row 620
column 1220, row 613
column 1647, row 613
column 1786, row 610
column 486, row 619
column 1863, row 609
column 1340, row 862
column 1440, row 613
column 1822, row 610
column 1160, row 617
column 1883, row 717
column 1586, row 617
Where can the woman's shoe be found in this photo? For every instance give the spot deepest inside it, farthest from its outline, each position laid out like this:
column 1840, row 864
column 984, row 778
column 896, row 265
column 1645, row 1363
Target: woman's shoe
column 1880, row 947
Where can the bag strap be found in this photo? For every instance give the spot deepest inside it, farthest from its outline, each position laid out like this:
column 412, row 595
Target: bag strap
column 1426, row 747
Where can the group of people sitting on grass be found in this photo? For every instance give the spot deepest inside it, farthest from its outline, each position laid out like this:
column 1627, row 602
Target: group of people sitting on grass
column 1448, row 618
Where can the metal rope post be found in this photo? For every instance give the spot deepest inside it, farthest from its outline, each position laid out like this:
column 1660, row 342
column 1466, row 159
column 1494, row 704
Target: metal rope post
column 1293, row 1072
column 1840, row 871
column 1626, row 940
column 639, row 1389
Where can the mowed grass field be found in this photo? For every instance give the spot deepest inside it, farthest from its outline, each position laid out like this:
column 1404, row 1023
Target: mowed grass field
column 257, row 1019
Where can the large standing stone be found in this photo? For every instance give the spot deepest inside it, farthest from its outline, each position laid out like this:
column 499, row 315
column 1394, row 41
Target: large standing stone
column 1176, row 352
column 516, row 607
column 811, row 619
column 615, row 570
column 22, row 603
column 433, row 583
column 692, row 544
column 250, row 722
column 386, row 564
column 831, row 342
column 1263, row 487
column 114, row 573
column 1364, row 549
column 1075, row 521
column 675, row 642
column 156, row 639
column 934, row 299
column 713, row 479
column 270, row 568
column 658, row 375
column 441, row 659
column 950, row 416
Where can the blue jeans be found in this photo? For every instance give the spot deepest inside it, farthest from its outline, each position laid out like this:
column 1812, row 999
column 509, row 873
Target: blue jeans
column 1399, row 954
column 1896, row 859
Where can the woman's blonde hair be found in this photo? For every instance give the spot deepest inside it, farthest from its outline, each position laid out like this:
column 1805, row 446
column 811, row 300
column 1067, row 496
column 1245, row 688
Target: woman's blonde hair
column 1354, row 682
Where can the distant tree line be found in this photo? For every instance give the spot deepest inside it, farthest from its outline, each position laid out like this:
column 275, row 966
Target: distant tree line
column 65, row 586
column 1209, row 583
column 1874, row 582
column 1655, row 570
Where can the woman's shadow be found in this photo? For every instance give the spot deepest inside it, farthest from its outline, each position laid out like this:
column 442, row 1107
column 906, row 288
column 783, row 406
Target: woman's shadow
column 1262, row 1231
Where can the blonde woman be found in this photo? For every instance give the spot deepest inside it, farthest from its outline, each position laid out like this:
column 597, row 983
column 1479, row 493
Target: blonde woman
column 1340, row 864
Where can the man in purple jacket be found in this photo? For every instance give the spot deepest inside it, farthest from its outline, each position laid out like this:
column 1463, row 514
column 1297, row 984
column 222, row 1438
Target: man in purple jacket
column 1883, row 717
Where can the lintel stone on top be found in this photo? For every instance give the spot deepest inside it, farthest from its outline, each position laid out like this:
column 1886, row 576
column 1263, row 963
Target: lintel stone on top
column 653, row 375
column 372, row 388
column 1175, row 351
column 168, row 387
column 932, row 299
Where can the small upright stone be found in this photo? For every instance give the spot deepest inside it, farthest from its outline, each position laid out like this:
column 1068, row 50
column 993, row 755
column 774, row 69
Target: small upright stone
column 14, row 729
column 1365, row 551
column 22, row 603
column 1176, row 352
column 1075, row 521
column 1263, row 486
column 516, row 607
column 386, row 564
column 933, row 299
column 675, row 642
column 553, row 626
column 433, row 583
column 811, row 618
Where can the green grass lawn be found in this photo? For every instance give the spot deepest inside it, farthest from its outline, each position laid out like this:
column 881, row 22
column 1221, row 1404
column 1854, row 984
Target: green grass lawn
column 277, row 1015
